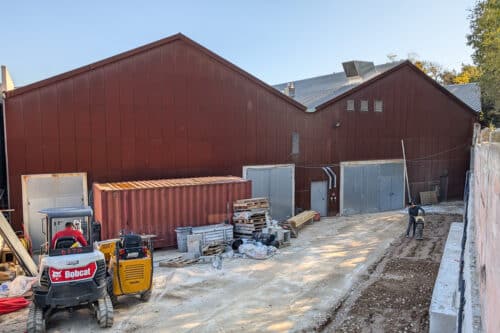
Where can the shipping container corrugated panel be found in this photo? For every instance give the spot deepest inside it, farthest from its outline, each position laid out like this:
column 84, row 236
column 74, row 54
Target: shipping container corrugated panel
column 159, row 206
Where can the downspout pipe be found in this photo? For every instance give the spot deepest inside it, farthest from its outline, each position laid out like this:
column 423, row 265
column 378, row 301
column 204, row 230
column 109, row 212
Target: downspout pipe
column 333, row 175
column 325, row 169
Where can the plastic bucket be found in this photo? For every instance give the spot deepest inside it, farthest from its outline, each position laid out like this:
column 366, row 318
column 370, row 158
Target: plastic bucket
column 182, row 233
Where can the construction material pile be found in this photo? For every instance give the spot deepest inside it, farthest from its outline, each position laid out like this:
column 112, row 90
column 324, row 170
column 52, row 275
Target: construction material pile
column 256, row 235
column 250, row 216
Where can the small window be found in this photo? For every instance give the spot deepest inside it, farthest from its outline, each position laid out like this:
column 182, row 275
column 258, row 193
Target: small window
column 364, row 105
column 379, row 106
column 295, row 143
column 350, row 105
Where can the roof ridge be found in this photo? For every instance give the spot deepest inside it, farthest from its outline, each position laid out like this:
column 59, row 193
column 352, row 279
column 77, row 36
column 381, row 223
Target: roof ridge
column 337, row 73
column 147, row 47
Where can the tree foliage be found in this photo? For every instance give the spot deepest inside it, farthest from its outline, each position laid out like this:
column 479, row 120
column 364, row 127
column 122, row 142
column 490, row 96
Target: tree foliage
column 467, row 74
column 485, row 40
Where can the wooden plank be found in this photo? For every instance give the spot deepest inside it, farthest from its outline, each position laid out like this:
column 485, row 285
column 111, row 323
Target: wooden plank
column 302, row 218
column 295, row 222
column 17, row 247
column 177, row 262
column 428, row 198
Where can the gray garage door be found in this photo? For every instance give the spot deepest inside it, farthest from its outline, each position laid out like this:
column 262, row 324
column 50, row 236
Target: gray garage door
column 275, row 183
column 369, row 188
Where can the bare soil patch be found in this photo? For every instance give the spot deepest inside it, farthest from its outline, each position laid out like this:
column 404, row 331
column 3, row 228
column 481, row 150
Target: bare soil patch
column 396, row 295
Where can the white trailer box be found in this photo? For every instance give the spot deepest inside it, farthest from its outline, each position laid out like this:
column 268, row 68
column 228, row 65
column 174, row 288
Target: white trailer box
column 47, row 191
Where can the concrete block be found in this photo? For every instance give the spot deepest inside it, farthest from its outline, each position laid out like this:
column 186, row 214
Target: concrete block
column 194, row 245
column 445, row 296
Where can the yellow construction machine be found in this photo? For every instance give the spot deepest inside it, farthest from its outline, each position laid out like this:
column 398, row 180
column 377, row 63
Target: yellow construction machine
column 129, row 262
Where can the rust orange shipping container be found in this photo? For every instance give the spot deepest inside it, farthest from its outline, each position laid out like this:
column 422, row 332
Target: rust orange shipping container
column 159, row 206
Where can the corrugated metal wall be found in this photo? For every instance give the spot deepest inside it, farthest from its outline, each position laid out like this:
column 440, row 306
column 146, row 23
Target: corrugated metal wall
column 176, row 110
column 158, row 207
column 168, row 112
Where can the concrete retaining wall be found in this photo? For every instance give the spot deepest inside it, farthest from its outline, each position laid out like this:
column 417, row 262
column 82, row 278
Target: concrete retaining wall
column 443, row 311
column 472, row 308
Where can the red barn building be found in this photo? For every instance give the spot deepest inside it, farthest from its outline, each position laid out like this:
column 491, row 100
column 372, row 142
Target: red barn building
column 172, row 108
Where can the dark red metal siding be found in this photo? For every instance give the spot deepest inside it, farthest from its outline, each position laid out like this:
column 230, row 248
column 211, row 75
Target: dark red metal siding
column 427, row 119
column 168, row 112
column 153, row 209
column 175, row 111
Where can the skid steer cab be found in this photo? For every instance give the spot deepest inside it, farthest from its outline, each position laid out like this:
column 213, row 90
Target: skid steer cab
column 129, row 261
column 72, row 273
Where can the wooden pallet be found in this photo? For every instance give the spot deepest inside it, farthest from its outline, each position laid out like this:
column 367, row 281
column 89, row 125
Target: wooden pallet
column 428, row 198
column 177, row 262
column 249, row 226
column 250, row 221
column 249, row 204
column 213, row 249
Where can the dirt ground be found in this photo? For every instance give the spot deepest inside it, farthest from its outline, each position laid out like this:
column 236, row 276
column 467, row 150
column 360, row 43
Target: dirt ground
column 396, row 296
column 297, row 290
column 292, row 291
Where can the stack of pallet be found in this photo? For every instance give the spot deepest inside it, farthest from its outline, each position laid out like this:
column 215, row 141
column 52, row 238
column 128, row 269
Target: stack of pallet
column 249, row 216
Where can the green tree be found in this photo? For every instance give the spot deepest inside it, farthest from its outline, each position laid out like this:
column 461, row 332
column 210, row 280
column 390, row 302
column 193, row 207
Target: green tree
column 485, row 40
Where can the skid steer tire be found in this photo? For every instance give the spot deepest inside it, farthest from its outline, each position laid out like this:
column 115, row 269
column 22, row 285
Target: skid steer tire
column 104, row 312
column 109, row 288
column 145, row 296
column 36, row 321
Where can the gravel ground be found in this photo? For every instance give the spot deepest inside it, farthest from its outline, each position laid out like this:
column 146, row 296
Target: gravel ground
column 396, row 296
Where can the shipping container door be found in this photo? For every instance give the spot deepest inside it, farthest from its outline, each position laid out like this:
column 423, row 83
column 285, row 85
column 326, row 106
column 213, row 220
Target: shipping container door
column 275, row 182
column 371, row 186
column 49, row 191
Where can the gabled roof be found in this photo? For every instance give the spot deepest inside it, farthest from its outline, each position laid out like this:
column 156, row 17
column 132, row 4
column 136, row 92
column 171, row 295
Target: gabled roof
column 318, row 92
column 145, row 48
column 469, row 93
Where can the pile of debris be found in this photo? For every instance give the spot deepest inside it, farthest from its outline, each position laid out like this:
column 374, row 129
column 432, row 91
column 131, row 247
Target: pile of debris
column 253, row 234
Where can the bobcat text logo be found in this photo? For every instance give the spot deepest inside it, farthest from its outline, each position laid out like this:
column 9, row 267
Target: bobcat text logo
column 72, row 274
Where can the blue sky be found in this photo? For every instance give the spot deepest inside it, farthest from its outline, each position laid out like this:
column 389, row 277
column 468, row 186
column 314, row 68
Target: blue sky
column 277, row 41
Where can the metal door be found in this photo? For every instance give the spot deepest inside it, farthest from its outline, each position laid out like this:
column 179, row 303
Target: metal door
column 275, row 182
column 319, row 197
column 368, row 187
